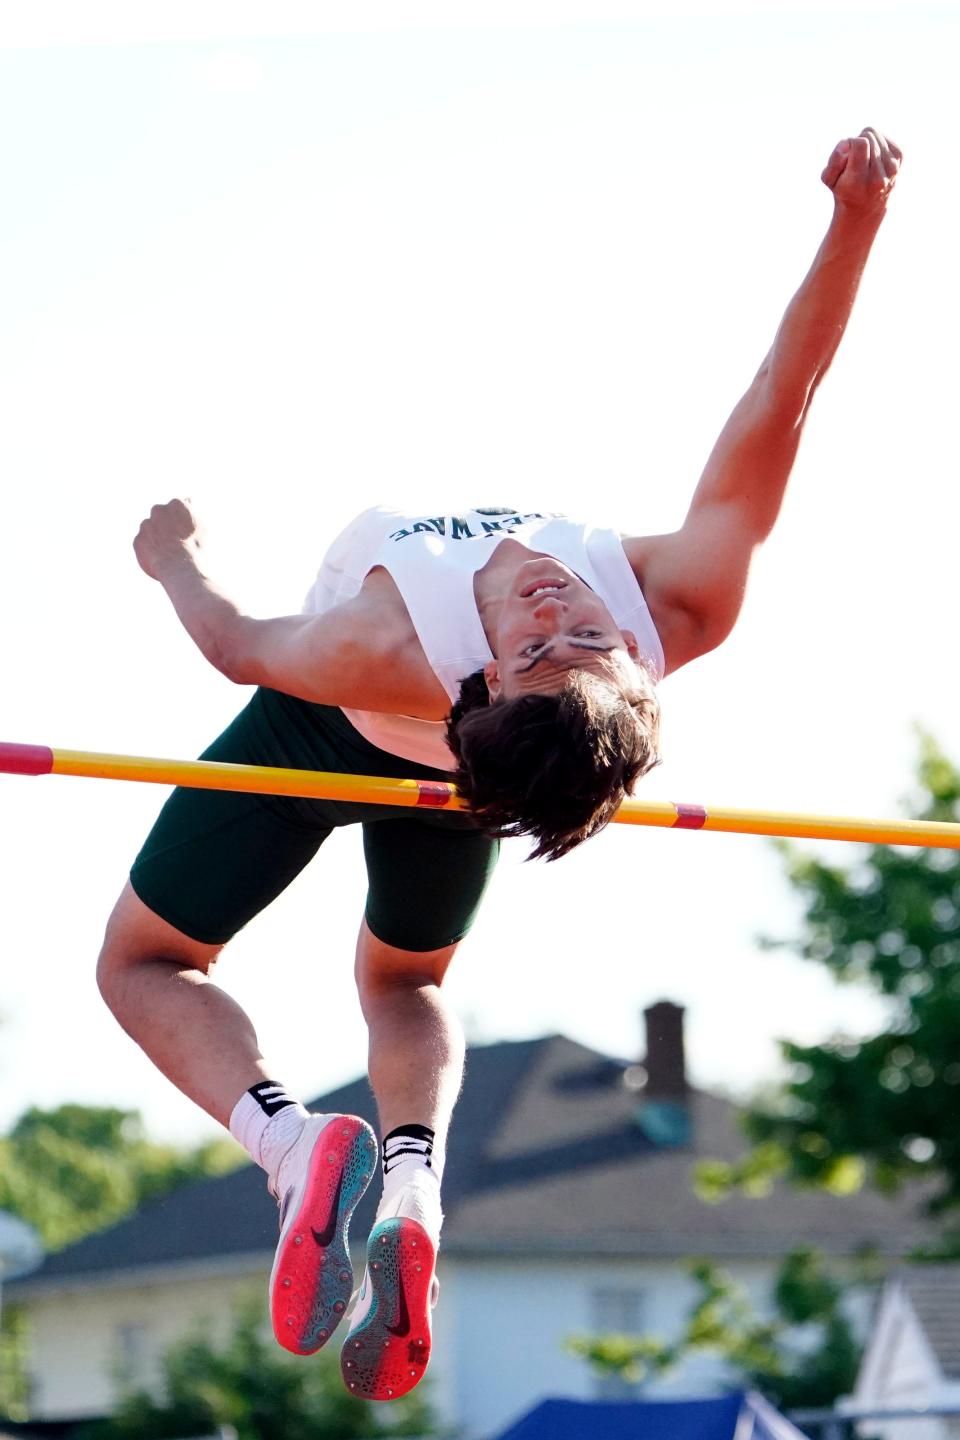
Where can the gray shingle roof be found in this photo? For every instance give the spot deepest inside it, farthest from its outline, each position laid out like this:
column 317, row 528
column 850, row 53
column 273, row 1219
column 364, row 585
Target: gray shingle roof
column 934, row 1292
column 545, row 1157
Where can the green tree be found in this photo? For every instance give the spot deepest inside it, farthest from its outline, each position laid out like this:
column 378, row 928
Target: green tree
column 881, row 1108
column 77, row 1168
column 263, row 1392
column 805, row 1355
column 14, row 1381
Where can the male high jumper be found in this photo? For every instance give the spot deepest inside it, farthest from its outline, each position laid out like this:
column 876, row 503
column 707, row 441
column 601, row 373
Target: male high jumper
column 517, row 651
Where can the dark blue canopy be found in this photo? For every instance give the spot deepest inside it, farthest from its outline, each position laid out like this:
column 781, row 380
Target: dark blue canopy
column 733, row 1417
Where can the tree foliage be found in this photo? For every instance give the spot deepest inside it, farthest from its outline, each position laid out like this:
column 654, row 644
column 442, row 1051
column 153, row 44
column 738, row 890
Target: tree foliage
column 78, row 1168
column 806, row 1354
column 259, row 1390
column 881, row 1108
column 14, row 1377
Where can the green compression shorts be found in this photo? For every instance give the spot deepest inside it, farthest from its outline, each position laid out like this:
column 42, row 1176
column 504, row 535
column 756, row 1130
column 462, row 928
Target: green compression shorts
column 214, row 858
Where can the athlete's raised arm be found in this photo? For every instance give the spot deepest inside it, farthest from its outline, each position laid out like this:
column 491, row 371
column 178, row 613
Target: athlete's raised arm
column 694, row 579
column 359, row 654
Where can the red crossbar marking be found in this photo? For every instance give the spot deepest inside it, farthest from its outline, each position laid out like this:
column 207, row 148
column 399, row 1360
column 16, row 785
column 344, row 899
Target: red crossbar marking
column 25, row 759
column 689, row 817
column 434, row 792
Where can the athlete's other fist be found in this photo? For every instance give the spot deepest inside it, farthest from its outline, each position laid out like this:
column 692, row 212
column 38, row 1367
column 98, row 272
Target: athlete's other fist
column 168, row 535
column 862, row 172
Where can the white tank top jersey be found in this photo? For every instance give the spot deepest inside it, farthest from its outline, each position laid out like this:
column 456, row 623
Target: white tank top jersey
column 432, row 559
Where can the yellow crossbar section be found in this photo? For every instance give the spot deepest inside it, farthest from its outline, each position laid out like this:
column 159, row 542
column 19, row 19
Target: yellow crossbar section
column 257, row 779
column 374, row 790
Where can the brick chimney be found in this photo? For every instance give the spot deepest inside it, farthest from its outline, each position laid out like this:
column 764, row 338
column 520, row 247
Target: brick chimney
column 664, row 1113
column 665, row 1062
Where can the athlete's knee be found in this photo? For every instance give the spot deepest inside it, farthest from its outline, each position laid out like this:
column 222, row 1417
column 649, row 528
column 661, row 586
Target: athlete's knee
column 135, row 937
column 382, row 967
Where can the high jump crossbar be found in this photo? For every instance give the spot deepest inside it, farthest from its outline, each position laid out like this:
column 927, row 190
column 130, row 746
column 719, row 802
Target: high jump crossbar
column 377, row 790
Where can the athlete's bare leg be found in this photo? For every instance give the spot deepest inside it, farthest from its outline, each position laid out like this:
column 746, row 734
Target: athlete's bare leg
column 156, row 981
column 416, row 1043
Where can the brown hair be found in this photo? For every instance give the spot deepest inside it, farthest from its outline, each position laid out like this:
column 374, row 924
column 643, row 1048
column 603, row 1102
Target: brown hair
column 552, row 766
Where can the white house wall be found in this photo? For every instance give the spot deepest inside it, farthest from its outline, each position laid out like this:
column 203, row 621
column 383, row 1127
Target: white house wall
column 498, row 1345
column 900, row 1370
column 505, row 1322
column 76, row 1337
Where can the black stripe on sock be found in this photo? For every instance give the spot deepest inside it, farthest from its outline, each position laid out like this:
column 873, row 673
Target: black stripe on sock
column 413, row 1132
column 419, row 1142
column 270, row 1104
column 388, row 1163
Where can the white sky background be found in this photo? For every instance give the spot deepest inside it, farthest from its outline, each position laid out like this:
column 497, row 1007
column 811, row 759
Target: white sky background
column 296, row 268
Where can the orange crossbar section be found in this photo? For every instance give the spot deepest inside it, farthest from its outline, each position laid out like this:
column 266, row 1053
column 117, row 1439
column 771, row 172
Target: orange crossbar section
column 374, row 790
column 256, row 779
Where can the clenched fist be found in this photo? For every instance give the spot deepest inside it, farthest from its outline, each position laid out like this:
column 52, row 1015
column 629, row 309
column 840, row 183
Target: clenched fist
column 169, row 534
column 862, row 172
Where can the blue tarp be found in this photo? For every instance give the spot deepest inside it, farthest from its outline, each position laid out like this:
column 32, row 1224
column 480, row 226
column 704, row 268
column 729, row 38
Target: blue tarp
column 733, row 1417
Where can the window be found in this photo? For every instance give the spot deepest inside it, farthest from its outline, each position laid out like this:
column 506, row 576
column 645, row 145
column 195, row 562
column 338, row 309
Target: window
column 130, row 1353
column 616, row 1310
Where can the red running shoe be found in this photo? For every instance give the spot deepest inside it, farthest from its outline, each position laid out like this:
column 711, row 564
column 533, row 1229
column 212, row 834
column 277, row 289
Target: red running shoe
column 320, row 1181
column 388, row 1347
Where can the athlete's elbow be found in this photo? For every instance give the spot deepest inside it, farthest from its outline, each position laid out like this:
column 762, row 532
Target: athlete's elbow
column 226, row 664
column 237, row 674
column 243, row 668
column 234, row 659
column 786, row 393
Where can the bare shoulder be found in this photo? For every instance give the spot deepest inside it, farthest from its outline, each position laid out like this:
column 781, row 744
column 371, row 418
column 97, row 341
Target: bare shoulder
column 381, row 654
column 362, row 654
column 637, row 550
column 657, row 563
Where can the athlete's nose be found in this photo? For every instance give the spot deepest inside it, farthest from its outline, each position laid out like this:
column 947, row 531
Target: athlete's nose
column 549, row 609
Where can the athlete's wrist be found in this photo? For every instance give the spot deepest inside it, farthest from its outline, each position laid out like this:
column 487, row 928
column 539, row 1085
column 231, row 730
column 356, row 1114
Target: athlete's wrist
column 178, row 565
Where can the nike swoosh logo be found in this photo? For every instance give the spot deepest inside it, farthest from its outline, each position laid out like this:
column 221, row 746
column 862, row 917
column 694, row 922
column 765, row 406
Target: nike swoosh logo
column 402, row 1326
column 323, row 1237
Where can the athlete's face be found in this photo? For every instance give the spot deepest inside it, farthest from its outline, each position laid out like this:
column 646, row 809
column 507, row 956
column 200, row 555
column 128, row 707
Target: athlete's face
column 552, row 623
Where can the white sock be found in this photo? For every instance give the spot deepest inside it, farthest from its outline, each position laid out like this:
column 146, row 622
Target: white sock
column 408, row 1151
column 415, row 1196
column 266, row 1121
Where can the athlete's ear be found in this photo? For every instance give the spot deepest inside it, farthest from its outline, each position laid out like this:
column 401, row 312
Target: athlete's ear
column 630, row 640
column 491, row 673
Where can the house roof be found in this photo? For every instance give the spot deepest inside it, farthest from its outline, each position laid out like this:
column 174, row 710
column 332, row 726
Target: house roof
column 719, row 1419
column 934, row 1293
column 546, row 1156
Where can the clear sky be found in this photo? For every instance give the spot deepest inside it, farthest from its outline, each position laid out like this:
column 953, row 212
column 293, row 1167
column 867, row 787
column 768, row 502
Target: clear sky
column 296, row 267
